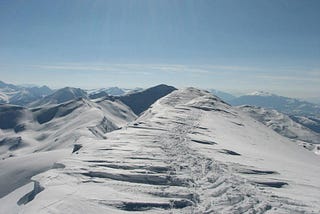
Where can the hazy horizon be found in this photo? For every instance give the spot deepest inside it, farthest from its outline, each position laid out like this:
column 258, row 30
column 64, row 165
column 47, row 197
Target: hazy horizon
column 315, row 100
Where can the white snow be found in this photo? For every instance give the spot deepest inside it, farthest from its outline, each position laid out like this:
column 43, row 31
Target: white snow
column 260, row 93
column 70, row 121
column 4, row 98
column 6, row 202
column 189, row 153
column 17, row 171
column 285, row 126
column 34, row 150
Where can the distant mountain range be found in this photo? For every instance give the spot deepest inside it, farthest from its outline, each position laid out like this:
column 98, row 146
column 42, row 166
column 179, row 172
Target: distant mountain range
column 290, row 106
column 32, row 96
column 113, row 91
column 158, row 149
column 41, row 124
column 60, row 96
column 20, row 95
column 223, row 95
column 286, row 105
column 296, row 129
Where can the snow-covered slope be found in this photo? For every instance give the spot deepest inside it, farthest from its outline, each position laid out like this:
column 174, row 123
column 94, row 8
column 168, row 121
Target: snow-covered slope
column 58, row 126
column 312, row 123
column 285, row 126
column 31, row 140
column 189, row 153
column 3, row 98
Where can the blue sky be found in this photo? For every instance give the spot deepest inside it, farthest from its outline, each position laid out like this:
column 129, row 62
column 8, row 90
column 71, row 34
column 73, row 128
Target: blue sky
column 231, row 45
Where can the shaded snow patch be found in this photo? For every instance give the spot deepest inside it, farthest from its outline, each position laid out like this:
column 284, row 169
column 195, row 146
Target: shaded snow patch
column 31, row 195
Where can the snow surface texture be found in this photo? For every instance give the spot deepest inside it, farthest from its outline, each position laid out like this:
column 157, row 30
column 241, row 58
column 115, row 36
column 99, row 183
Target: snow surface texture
column 189, row 153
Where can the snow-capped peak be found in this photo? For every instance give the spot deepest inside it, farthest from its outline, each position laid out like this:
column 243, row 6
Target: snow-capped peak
column 260, row 93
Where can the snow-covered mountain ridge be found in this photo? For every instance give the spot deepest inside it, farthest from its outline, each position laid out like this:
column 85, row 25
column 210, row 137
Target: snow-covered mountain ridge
column 189, row 153
column 21, row 95
column 286, row 126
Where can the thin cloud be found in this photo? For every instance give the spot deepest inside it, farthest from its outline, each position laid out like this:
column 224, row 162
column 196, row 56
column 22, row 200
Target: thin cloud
column 309, row 75
column 125, row 67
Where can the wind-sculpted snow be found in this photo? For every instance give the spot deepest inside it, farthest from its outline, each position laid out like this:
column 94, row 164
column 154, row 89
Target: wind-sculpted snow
column 188, row 153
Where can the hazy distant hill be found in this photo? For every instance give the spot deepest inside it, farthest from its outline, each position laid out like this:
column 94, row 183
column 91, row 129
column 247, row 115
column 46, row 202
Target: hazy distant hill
column 223, row 95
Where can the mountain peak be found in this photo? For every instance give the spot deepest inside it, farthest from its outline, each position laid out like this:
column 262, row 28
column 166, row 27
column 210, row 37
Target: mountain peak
column 141, row 100
column 60, row 96
column 261, row 93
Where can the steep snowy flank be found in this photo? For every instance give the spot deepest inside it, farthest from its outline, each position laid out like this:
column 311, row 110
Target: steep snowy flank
column 285, row 126
column 312, row 123
column 189, row 153
column 31, row 140
column 141, row 100
column 58, row 126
